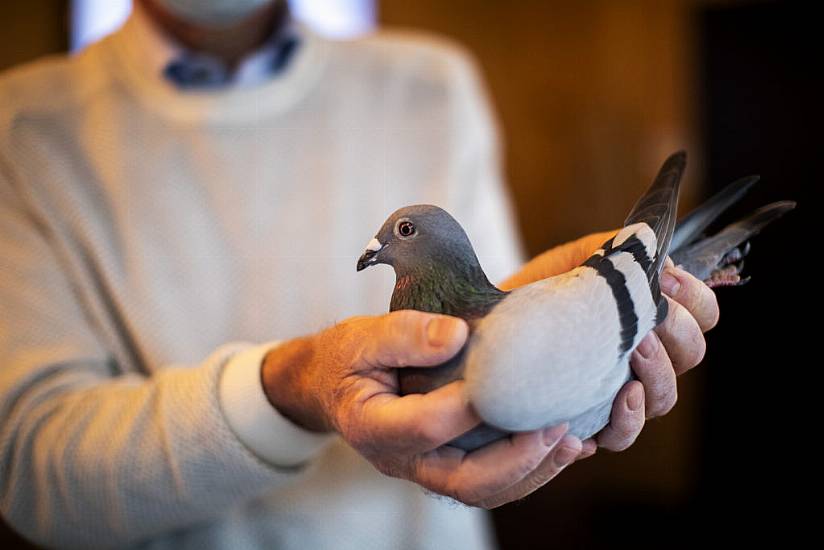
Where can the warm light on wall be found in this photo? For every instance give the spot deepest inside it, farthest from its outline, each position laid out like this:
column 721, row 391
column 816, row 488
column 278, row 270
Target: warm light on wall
column 93, row 19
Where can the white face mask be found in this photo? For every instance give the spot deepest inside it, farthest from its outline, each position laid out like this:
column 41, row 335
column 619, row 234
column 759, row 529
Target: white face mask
column 213, row 12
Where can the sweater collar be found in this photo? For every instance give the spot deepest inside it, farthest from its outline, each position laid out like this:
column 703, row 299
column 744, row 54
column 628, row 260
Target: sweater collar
column 141, row 55
column 191, row 70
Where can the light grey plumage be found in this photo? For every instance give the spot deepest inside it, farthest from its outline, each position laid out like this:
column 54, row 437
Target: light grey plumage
column 551, row 351
column 556, row 350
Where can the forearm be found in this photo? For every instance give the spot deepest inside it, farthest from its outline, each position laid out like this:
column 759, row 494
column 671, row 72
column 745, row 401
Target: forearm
column 91, row 455
column 104, row 462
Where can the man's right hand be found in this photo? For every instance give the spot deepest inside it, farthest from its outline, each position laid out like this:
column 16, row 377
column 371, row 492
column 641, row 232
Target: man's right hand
column 343, row 379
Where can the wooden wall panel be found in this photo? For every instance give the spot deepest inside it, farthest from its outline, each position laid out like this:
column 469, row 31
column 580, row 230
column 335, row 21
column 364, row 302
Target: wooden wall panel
column 591, row 97
column 30, row 29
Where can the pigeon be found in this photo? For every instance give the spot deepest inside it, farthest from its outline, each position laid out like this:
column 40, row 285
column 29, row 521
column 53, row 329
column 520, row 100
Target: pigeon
column 558, row 349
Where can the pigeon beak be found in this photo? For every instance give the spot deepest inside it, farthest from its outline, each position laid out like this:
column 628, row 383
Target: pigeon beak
column 369, row 257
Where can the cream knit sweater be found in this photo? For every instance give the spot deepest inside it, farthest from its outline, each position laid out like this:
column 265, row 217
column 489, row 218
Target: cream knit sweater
column 151, row 240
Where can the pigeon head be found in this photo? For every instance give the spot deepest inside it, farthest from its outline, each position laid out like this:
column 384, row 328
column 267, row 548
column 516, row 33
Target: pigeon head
column 416, row 237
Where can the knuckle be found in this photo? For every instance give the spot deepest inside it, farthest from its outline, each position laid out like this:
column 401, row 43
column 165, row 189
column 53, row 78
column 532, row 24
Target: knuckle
column 529, row 464
column 427, row 433
column 664, row 403
column 405, row 320
column 357, row 438
column 357, row 430
column 698, row 349
column 624, row 440
column 652, row 371
column 387, row 356
column 404, row 334
column 342, row 423
column 535, row 482
column 385, row 342
column 391, row 468
column 392, row 324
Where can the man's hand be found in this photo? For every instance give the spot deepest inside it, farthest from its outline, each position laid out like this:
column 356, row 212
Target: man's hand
column 674, row 347
column 343, row 379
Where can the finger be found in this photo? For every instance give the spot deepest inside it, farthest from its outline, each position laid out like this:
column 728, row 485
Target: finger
column 584, row 247
column 682, row 338
column 693, row 294
column 473, row 477
column 654, row 370
column 561, row 456
column 413, row 338
column 626, row 420
column 588, row 448
column 559, row 259
column 419, row 422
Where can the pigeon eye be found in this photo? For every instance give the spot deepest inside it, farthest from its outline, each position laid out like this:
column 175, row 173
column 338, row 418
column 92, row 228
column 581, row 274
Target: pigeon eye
column 406, row 229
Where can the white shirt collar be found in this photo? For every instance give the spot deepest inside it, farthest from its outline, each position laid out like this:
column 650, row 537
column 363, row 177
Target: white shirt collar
column 160, row 50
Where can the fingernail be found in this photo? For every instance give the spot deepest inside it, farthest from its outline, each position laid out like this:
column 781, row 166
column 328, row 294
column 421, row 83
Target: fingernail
column 564, row 455
column 554, row 433
column 648, row 346
column 669, row 283
column 441, row 330
column 635, row 399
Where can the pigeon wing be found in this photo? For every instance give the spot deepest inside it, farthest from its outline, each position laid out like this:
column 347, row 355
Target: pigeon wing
column 550, row 351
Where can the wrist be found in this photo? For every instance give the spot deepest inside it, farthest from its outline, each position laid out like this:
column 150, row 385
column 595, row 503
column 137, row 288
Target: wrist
column 288, row 388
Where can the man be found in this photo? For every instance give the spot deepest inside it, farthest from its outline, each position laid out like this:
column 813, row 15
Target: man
column 198, row 185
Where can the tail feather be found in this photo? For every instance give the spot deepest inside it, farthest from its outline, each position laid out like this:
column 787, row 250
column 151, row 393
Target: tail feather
column 706, row 255
column 658, row 208
column 650, row 232
column 689, row 228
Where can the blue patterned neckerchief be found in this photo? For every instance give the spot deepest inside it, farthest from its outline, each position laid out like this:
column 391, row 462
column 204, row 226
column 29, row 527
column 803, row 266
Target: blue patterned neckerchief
column 193, row 70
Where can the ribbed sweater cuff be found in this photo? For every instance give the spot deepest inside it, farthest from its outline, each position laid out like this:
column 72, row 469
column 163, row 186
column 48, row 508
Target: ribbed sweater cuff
column 268, row 434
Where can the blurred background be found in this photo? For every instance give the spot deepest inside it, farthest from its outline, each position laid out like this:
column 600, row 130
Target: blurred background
column 590, row 98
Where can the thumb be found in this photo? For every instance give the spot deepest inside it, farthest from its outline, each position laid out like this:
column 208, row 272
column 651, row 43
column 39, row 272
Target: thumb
column 414, row 338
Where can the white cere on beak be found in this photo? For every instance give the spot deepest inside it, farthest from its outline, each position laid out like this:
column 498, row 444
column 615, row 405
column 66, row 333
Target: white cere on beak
column 374, row 245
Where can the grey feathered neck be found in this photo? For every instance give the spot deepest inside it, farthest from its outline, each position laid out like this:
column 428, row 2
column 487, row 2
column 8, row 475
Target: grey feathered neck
column 451, row 282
